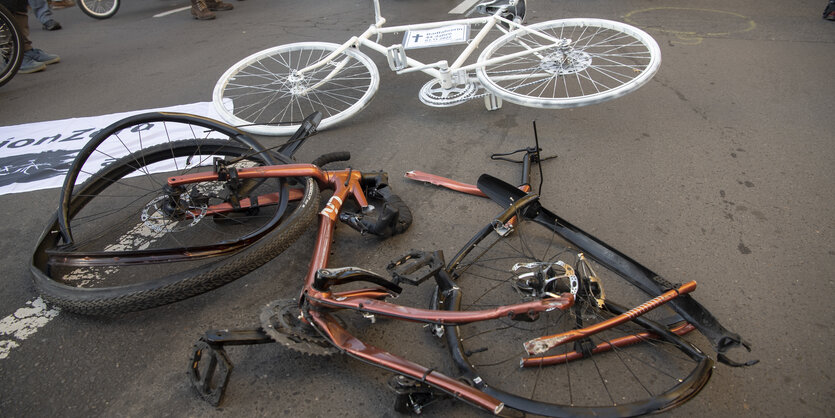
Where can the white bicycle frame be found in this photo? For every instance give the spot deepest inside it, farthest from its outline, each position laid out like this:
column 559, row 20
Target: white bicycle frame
column 447, row 75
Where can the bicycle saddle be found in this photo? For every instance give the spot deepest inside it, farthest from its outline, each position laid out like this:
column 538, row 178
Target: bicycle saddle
column 514, row 10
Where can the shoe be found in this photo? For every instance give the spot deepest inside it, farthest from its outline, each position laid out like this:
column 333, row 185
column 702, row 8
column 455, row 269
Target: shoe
column 51, row 25
column 829, row 12
column 201, row 11
column 62, row 4
column 218, row 5
column 41, row 56
column 28, row 65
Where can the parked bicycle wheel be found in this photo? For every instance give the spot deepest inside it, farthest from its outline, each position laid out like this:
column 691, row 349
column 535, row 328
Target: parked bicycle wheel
column 635, row 368
column 124, row 240
column 11, row 52
column 99, row 9
column 568, row 63
column 264, row 94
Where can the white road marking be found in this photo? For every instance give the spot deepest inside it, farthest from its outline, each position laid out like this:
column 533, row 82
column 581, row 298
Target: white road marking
column 23, row 323
column 463, row 7
column 170, row 12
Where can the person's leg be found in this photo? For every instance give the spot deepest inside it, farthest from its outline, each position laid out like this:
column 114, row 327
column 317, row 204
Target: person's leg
column 41, row 10
column 61, row 4
column 200, row 10
column 28, row 65
column 216, row 5
column 33, row 59
column 22, row 20
column 44, row 14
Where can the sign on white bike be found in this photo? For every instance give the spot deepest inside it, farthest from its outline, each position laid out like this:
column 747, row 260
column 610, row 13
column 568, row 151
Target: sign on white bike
column 427, row 38
column 554, row 64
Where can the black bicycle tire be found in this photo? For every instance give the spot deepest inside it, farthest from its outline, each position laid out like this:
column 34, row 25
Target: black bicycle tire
column 7, row 18
column 175, row 287
column 100, row 16
column 676, row 395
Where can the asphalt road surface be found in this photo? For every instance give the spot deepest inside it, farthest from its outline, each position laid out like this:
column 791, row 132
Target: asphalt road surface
column 719, row 170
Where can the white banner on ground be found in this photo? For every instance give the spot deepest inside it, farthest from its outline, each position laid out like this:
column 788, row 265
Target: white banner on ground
column 36, row 156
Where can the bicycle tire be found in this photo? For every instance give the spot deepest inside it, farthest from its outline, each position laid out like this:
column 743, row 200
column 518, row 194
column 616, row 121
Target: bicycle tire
column 99, row 9
column 118, row 243
column 11, row 51
column 261, row 95
column 652, row 373
column 605, row 60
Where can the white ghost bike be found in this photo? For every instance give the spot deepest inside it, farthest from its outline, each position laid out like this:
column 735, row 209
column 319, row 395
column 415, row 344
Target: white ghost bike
column 555, row 64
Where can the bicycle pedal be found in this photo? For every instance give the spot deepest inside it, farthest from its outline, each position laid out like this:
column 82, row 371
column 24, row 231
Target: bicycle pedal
column 209, row 370
column 396, row 57
column 416, row 267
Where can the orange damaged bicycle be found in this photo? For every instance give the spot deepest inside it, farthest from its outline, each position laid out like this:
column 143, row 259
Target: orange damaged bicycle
column 538, row 316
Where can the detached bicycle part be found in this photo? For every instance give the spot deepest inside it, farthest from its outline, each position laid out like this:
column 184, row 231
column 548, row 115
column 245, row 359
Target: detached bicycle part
column 444, row 182
column 640, row 276
column 531, row 156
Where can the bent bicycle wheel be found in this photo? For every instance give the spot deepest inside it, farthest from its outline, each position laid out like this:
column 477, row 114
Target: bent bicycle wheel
column 635, row 368
column 11, row 52
column 265, row 94
column 123, row 240
column 568, row 63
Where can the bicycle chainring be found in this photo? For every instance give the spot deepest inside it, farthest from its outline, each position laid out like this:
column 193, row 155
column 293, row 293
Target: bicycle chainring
column 280, row 319
column 432, row 94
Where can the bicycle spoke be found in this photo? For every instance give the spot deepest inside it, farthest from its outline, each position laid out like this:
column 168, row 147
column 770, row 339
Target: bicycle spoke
column 602, row 59
column 270, row 88
column 605, row 369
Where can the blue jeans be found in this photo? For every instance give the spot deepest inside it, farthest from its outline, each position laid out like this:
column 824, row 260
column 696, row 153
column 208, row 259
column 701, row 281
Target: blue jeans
column 41, row 10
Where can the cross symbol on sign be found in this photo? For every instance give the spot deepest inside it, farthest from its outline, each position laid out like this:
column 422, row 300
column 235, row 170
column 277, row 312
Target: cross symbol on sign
column 417, row 37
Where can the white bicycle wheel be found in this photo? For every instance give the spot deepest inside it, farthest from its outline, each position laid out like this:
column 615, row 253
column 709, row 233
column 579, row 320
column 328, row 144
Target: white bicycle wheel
column 568, row 63
column 262, row 94
column 99, row 9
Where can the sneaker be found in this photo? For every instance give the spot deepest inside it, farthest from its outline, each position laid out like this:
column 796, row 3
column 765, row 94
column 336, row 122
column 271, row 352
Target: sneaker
column 218, row 5
column 41, row 56
column 51, row 25
column 62, row 4
column 201, row 11
column 829, row 12
column 28, row 65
